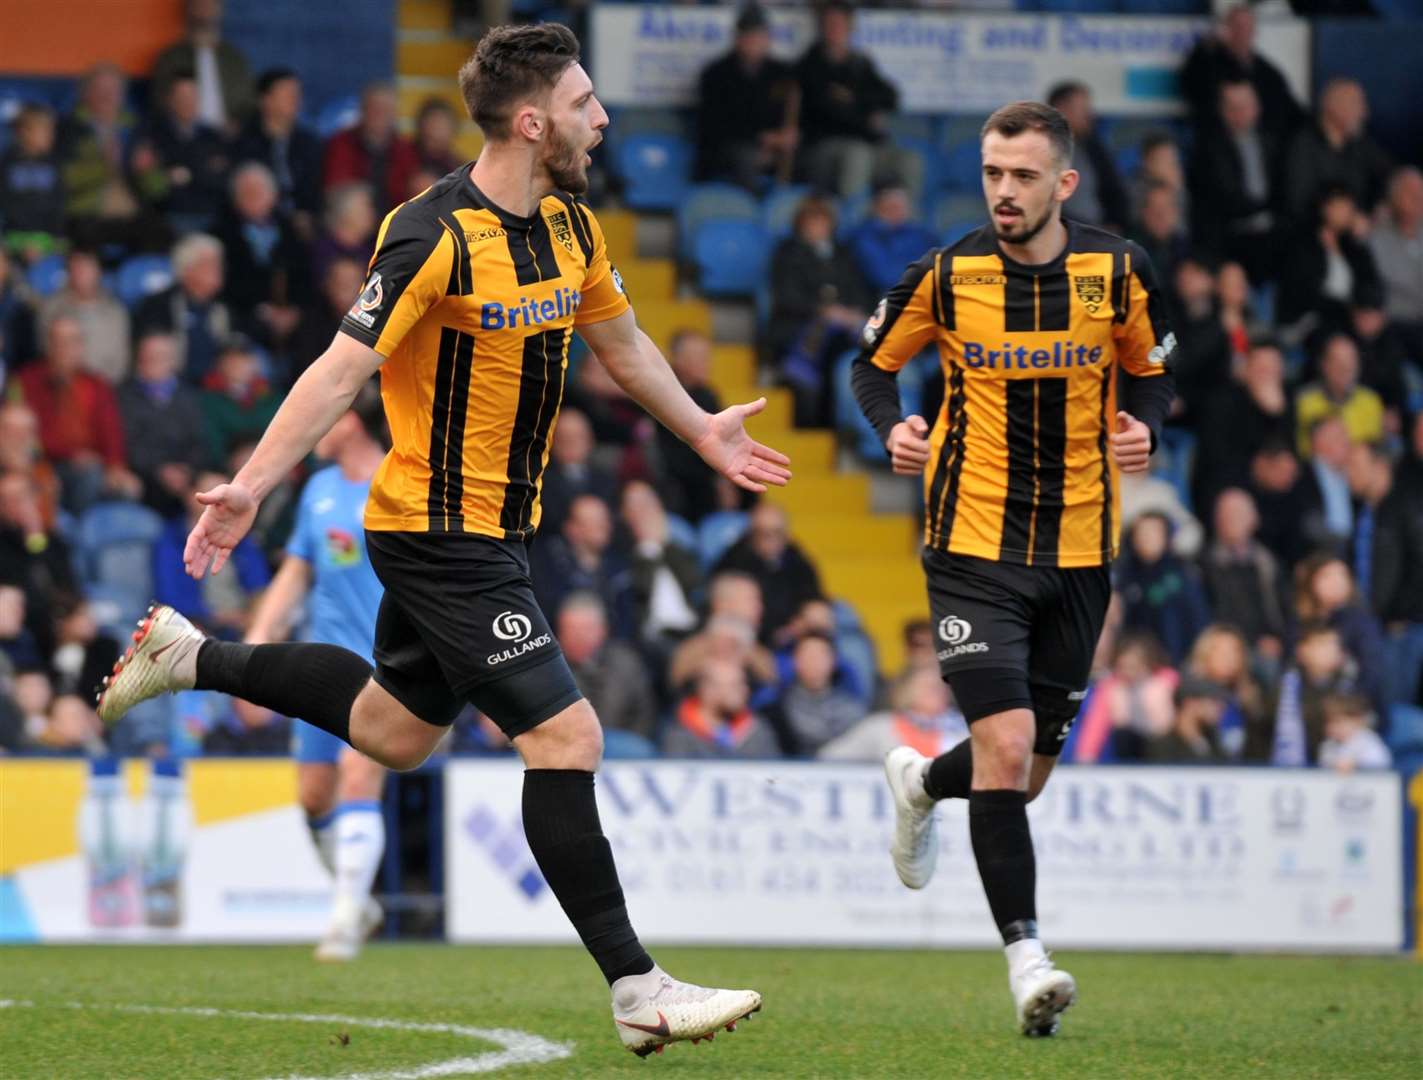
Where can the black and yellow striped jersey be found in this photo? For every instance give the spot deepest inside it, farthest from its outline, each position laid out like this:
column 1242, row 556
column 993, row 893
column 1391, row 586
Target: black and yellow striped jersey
column 473, row 309
column 1019, row 466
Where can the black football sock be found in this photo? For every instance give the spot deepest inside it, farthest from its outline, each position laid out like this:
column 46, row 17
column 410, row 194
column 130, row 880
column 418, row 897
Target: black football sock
column 310, row 681
column 1003, row 849
column 566, row 837
column 950, row 775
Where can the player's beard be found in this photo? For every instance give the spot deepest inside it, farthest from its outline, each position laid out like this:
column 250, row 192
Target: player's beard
column 1023, row 233
column 564, row 162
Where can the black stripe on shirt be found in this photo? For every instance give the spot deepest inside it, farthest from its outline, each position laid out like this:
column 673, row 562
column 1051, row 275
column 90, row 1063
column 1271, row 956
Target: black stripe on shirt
column 1019, row 416
column 1051, row 469
column 1019, row 302
column 1104, row 421
column 533, row 395
column 436, row 497
column 1054, row 304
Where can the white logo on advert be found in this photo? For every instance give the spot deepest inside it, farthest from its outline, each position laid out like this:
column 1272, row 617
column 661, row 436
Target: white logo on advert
column 510, row 626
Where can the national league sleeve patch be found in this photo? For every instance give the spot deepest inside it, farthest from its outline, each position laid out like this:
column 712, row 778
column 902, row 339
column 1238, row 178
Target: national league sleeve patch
column 872, row 328
column 367, row 302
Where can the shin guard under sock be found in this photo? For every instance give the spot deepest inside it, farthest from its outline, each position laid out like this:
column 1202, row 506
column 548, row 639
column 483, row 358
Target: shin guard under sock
column 1003, row 849
column 950, row 775
column 306, row 680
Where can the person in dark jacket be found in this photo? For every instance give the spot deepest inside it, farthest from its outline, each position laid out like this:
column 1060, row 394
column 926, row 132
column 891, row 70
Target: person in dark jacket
column 890, row 238
column 571, row 470
column 32, row 186
column 1160, row 591
column 1325, row 593
column 688, row 484
column 1238, row 419
column 163, row 425
column 226, row 76
column 1242, row 578
column 180, row 163
column 1228, row 54
column 767, row 553
column 609, row 673
column 746, row 109
column 845, row 104
column 1335, row 153
column 190, row 309
column 276, row 137
column 1329, row 269
column 666, row 577
column 1101, row 197
column 1194, row 738
column 1397, row 577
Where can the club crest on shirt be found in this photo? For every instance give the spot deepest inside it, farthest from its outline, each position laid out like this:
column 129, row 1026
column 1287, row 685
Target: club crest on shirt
column 1091, row 290
column 872, row 328
column 558, row 225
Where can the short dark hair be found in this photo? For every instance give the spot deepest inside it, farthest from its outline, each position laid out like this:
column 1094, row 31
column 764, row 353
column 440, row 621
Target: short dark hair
column 1021, row 116
column 272, row 76
column 370, row 411
column 1064, row 90
column 510, row 65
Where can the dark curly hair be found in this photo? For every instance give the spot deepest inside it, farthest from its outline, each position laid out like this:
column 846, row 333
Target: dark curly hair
column 512, row 65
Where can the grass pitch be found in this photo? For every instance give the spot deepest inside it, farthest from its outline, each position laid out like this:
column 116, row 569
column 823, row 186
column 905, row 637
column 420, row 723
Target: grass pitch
column 102, row 1012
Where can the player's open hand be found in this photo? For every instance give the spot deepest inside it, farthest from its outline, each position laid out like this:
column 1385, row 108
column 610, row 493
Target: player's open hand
column 231, row 509
column 908, row 446
column 1131, row 444
column 729, row 449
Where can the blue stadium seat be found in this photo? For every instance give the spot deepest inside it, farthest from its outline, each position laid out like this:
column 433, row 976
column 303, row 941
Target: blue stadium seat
column 953, row 210
column 140, row 276
column 779, row 208
column 1128, row 158
column 682, row 532
column 853, row 210
column 655, row 169
column 708, row 201
column 117, row 607
column 717, row 532
column 47, row 276
column 928, row 154
column 116, row 541
column 337, row 115
column 730, row 256
column 959, row 167
column 912, row 126
column 626, row 746
column 849, row 421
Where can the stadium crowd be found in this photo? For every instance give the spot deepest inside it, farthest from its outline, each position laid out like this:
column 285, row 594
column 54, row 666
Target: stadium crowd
column 171, row 260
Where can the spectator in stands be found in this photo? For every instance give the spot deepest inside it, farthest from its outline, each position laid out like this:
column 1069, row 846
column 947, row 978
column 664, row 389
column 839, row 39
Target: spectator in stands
column 1329, row 269
column 1338, row 393
column 340, row 286
column 919, row 646
column 620, row 426
column 1202, row 364
column 1236, row 180
column 921, row 715
column 1335, row 153
column 889, row 239
column 35, row 559
column 844, row 105
column 32, row 187
column 1222, row 656
column 1150, row 492
column 1350, row 741
column 100, row 202
column 716, row 722
column 220, row 603
column 1238, row 420
column 581, row 558
column 79, row 420
column 1160, row 231
column 1325, row 593
column 610, row 673
column 1229, row 55
column 18, row 649
column 1237, row 319
column 101, row 318
column 1397, row 244
column 746, row 109
column 1242, row 578
column 1370, row 482
column 767, row 553
column 666, row 576
column 1290, row 732
column 372, row 151
column 189, row 309
column 237, row 401
column 17, row 318
column 1386, row 356
column 276, row 137
column 1101, row 197
column 436, row 126
column 1161, row 592
column 222, row 73
column 83, row 653
column 1194, row 738
column 812, row 710
column 1129, row 705
column 163, row 425
column 735, row 612
column 1291, row 507
column 1327, row 473
column 180, row 163
column 688, row 485
column 1160, row 165
column 21, row 453
column 818, row 306
column 571, row 471
column 267, row 265
column 349, row 228
column 1397, row 571
column 817, row 617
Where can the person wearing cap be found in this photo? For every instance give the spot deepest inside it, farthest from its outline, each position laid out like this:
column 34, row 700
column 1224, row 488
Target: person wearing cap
column 746, row 107
column 1194, row 738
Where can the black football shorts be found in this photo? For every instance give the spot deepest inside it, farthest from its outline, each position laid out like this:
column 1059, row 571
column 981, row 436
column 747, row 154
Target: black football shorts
column 459, row 623
column 1017, row 637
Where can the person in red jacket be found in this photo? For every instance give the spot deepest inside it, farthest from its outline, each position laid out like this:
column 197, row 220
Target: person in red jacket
column 373, row 151
column 79, row 424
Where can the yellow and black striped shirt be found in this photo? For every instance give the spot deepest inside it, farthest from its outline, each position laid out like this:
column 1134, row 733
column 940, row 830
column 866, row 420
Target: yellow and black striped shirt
column 473, row 309
column 1019, row 466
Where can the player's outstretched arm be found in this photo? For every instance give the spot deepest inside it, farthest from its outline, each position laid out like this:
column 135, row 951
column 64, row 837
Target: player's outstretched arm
column 638, row 366
column 320, row 397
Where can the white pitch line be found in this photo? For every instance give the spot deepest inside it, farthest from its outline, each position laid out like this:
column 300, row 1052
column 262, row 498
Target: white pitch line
column 517, row 1047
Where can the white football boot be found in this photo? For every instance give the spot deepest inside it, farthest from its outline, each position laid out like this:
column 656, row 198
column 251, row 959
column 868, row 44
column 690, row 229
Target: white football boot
column 655, row 1009
column 1040, row 991
column 345, row 936
column 915, row 848
column 162, row 658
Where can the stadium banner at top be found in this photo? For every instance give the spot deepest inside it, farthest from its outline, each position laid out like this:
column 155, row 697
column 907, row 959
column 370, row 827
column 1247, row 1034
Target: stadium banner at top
column 784, row 853
column 650, row 56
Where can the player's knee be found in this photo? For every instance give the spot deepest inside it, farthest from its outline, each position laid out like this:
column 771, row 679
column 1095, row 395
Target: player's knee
column 1002, row 752
column 572, row 739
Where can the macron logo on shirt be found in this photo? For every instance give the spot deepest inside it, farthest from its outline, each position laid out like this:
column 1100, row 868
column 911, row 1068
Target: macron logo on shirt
column 495, row 316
